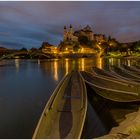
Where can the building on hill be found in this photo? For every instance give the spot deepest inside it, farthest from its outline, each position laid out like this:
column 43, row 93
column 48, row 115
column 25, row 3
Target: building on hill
column 86, row 31
column 74, row 41
column 2, row 49
column 68, row 35
column 100, row 38
column 5, row 51
column 48, row 48
column 85, row 49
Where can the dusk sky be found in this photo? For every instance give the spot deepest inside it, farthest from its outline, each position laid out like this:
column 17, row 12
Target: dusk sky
column 28, row 24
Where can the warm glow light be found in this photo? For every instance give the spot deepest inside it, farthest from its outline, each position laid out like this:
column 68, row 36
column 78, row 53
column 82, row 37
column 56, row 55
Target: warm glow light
column 56, row 70
column 82, row 64
column 99, row 61
column 66, row 50
column 82, row 50
column 55, row 50
column 17, row 64
column 119, row 62
column 99, row 47
column 111, row 61
column 67, row 66
column 128, row 62
column 38, row 61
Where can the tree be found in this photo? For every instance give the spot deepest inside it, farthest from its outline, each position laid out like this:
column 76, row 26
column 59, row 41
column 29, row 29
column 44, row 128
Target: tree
column 105, row 46
column 83, row 40
column 109, row 38
column 23, row 49
column 76, row 47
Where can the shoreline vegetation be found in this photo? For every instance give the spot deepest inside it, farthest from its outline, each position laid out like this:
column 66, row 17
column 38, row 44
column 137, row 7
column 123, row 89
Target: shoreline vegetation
column 48, row 51
column 37, row 54
column 118, row 55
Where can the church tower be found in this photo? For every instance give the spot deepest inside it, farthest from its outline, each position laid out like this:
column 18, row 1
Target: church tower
column 65, row 33
column 70, row 32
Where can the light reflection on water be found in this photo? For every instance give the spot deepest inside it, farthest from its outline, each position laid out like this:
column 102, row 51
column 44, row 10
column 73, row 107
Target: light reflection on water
column 26, row 85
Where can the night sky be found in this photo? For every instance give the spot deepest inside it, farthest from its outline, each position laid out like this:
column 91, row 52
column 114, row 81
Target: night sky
column 28, row 24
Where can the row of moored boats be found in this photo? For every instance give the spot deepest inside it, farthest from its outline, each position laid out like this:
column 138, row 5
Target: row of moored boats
column 65, row 112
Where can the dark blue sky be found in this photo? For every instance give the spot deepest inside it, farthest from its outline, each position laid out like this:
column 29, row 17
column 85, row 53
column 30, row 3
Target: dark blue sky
column 27, row 24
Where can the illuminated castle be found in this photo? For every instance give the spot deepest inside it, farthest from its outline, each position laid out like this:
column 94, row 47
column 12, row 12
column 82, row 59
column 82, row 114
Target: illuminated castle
column 86, row 31
column 70, row 36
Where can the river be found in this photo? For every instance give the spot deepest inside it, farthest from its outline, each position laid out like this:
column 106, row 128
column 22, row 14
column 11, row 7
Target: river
column 26, row 85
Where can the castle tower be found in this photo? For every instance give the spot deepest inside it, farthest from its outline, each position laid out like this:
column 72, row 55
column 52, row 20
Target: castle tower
column 70, row 32
column 65, row 33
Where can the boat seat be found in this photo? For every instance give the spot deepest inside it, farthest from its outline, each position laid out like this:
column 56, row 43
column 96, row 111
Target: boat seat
column 64, row 110
column 71, row 97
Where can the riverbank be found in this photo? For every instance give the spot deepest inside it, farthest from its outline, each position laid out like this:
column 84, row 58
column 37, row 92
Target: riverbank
column 129, row 128
column 119, row 55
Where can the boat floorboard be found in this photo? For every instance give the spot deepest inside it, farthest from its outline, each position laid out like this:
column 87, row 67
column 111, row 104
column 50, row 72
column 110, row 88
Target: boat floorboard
column 71, row 102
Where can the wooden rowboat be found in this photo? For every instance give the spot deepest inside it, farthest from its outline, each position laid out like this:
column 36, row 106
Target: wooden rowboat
column 121, row 72
column 112, row 90
column 136, row 67
column 131, row 69
column 65, row 112
column 102, row 72
column 112, row 76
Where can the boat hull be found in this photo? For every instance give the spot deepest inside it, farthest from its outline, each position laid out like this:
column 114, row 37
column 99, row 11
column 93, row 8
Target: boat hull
column 65, row 112
column 112, row 90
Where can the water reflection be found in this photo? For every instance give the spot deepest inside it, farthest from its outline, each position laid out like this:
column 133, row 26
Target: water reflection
column 113, row 61
column 66, row 66
column 55, row 68
column 128, row 62
column 17, row 64
column 82, row 64
column 99, row 61
column 38, row 61
column 119, row 62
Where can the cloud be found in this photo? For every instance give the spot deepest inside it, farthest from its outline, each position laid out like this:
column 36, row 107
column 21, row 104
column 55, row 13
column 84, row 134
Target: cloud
column 31, row 22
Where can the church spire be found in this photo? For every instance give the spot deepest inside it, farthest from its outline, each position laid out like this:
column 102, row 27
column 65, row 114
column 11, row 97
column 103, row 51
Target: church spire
column 70, row 26
column 64, row 27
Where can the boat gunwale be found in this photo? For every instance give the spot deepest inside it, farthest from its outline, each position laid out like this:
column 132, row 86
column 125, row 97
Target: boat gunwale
column 115, row 78
column 85, row 103
column 129, row 72
column 112, row 79
column 131, row 68
column 123, row 77
column 136, row 68
column 47, row 106
column 130, row 93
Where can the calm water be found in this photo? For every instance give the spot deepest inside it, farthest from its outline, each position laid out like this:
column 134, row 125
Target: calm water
column 25, row 87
